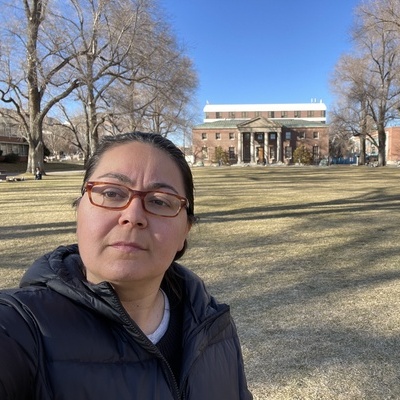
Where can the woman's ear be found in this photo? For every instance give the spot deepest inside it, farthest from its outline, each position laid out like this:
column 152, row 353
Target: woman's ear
column 76, row 202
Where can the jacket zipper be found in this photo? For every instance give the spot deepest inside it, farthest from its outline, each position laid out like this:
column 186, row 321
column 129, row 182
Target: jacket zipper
column 149, row 345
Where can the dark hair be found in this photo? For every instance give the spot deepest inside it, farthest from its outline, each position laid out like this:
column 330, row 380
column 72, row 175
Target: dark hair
column 159, row 142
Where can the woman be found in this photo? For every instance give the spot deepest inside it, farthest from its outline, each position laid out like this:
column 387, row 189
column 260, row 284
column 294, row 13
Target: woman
column 115, row 317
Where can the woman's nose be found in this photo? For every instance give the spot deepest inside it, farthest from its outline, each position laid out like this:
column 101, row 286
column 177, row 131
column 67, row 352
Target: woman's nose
column 134, row 214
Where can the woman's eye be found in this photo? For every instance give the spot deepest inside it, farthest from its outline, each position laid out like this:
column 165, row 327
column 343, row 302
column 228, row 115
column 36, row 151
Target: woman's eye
column 113, row 194
column 158, row 201
column 110, row 194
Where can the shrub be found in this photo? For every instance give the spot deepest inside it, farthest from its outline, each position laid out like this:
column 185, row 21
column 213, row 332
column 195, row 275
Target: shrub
column 11, row 158
column 221, row 156
column 302, row 155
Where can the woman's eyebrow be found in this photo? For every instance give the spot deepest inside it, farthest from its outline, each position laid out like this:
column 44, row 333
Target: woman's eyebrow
column 125, row 179
column 161, row 185
column 120, row 177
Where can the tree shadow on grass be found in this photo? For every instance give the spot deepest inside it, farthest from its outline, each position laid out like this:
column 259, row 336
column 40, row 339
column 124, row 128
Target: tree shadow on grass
column 286, row 344
column 13, row 232
column 329, row 352
column 341, row 363
column 375, row 200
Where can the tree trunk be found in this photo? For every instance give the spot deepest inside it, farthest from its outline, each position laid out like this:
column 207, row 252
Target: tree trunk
column 361, row 161
column 35, row 157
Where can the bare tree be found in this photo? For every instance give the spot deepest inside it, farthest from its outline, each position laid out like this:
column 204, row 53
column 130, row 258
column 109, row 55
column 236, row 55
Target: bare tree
column 349, row 116
column 91, row 49
column 57, row 137
column 159, row 98
column 379, row 43
column 133, row 68
column 110, row 30
column 340, row 134
column 367, row 82
column 34, row 68
column 172, row 95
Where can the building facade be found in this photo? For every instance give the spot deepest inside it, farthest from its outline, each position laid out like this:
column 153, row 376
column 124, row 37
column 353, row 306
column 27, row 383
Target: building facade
column 392, row 145
column 260, row 133
column 10, row 144
column 11, row 141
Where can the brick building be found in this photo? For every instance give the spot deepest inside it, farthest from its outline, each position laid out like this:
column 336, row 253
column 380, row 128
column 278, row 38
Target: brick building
column 13, row 144
column 260, row 133
column 11, row 140
column 392, row 145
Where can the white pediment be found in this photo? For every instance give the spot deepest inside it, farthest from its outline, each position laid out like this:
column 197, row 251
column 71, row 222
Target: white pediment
column 259, row 123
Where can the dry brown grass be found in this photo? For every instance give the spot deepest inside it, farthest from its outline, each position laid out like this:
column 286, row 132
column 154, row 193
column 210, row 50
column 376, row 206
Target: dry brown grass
column 308, row 259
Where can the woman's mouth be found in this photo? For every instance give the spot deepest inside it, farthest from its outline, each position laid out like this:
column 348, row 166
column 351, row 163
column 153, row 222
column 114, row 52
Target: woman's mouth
column 128, row 247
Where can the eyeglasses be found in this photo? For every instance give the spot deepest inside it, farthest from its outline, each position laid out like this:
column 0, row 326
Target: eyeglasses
column 114, row 196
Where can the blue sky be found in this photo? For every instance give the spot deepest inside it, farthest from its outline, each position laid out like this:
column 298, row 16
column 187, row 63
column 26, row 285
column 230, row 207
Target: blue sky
column 262, row 51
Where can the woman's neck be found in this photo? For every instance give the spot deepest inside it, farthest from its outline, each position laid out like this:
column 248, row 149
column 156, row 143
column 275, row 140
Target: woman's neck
column 146, row 310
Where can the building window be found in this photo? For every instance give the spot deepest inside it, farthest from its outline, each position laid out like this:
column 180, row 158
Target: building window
column 315, row 135
column 257, row 114
column 207, row 116
column 272, row 136
column 232, row 115
column 231, row 153
column 284, row 114
column 297, row 114
column 272, row 153
column 218, row 136
column 204, row 136
column 288, row 135
column 310, row 113
column 204, row 152
column 302, row 135
column 244, row 114
column 271, row 114
column 323, row 113
column 315, row 152
column 288, row 152
column 218, row 115
column 231, row 135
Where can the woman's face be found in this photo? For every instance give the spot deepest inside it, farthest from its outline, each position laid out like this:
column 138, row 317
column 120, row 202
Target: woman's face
column 131, row 246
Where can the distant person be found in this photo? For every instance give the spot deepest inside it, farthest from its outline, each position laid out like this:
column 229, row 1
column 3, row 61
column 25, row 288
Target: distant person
column 38, row 174
column 114, row 317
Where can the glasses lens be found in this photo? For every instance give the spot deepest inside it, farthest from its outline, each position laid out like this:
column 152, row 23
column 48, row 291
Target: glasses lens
column 108, row 195
column 162, row 204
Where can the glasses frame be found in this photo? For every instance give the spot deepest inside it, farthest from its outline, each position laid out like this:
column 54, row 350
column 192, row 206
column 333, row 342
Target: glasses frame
column 184, row 202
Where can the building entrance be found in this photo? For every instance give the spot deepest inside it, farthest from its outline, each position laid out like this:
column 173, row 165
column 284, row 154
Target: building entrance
column 246, row 148
column 260, row 155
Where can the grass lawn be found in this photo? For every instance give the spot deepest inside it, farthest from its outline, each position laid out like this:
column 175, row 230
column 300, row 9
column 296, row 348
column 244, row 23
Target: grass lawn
column 20, row 167
column 307, row 257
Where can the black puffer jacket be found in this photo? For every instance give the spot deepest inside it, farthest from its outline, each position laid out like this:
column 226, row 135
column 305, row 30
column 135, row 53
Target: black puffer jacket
column 64, row 339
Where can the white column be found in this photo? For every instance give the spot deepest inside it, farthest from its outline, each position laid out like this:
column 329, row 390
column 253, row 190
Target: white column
column 239, row 147
column 266, row 155
column 252, row 161
column 278, row 146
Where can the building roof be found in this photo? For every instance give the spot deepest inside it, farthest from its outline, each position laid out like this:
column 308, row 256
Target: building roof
column 264, row 107
column 233, row 123
column 221, row 124
column 12, row 139
column 304, row 123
